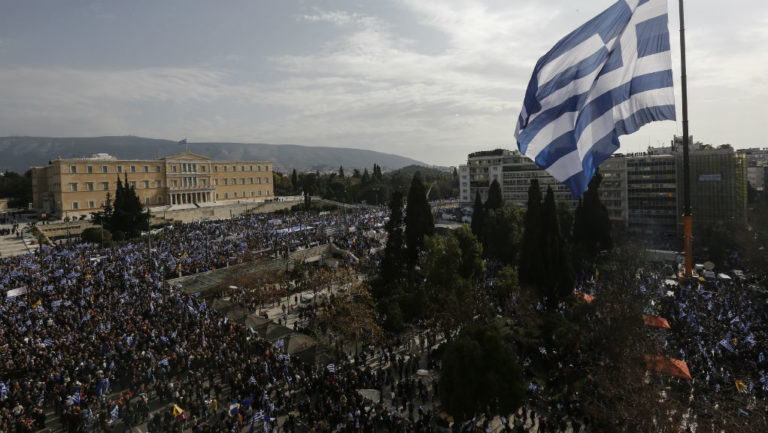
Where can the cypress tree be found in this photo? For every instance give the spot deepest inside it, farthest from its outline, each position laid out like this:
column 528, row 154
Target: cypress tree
column 393, row 260
column 530, row 254
column 295, row 180
column 556, row 278
column 495, row 199
column 478, row 217
column 592, row 227
column 418, row 221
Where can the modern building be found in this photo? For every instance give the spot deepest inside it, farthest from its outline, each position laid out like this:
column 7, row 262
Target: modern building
column 514, row 173
column 642, row 192
column 79, row 186
column 757, row 166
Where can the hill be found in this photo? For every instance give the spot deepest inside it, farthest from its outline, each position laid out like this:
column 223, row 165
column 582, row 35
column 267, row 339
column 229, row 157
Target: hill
column 20, row 153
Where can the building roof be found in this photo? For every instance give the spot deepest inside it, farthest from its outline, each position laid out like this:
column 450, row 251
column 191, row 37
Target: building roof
column 186, row 156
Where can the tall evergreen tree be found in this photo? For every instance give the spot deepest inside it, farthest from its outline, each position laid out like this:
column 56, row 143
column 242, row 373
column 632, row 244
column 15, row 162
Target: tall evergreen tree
column 394, row 254
column 555, row 279
column 366, row 177
column 128, row 216
column 495, row 199
column 418, row 221
column 341, row 171
column 530, row 253
column 478, row 217
column 592, row 225
column 295, row 180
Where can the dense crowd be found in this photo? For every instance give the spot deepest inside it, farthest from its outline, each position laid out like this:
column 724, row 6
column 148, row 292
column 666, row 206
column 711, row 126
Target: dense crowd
column 98, row 334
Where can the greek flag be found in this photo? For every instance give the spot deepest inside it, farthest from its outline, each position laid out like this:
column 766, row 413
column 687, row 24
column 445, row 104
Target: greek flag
column 331, row 368
column 4, row 390
column 114, row 414
column 257, row 416
column 607, row 78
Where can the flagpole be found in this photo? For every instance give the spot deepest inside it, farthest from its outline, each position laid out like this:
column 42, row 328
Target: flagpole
column 687, row 220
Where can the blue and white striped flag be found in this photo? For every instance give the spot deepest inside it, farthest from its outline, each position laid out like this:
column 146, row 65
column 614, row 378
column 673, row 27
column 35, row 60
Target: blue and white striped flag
column 607, row 78
column 257, row 416
column 3, row 391
column 331, row 368
column 115, row 413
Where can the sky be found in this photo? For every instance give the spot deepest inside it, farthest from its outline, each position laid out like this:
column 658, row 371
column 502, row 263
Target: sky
column 429, row 79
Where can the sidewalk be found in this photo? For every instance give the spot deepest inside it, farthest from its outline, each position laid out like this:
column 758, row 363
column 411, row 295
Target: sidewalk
column 10, row 245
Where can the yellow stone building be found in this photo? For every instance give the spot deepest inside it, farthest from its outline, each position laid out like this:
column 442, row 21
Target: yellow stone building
column 79, row 186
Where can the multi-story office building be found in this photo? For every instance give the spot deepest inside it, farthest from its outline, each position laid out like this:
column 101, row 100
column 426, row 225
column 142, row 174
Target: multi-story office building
column 79, row 186
column 643, row 192
column 652, row 195
column 718, row 187
column 757, row 166
column 514, row 173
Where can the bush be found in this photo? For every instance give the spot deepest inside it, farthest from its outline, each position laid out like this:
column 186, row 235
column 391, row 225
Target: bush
column 96, row 236
column 118, row 236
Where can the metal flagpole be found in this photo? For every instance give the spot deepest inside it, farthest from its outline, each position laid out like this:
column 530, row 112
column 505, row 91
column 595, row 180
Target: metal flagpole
column 687, row 222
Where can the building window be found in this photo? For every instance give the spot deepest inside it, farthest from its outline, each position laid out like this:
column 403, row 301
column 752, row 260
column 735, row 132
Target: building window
column 157, row 168
column 217, row 196
column 266, row 180
column 133, row 184
column 250, row 168
column 75, row 205
column 252, row 194
column 266, row 168
column 146, row 184
column 226, row 195
column 103, row 168
column 234, row 181
column 173, row 168
column 146, row 169
column 158, row 184
column 91, row 204
column 105, row 186
column 216, row 182
column 251, row 181
column 202, row 168
column 146, row 201
column 226, row 181
column 133, row 169
column 234, row 168
column 73, row 169
column 73, row 187
column 119, row 168
column 89, row 169
column 259, row 192
column 258, row 180
column 235, row 194
column 89, row 186
column 216, row 168
column 224, row 167
column 242, row 181
column 242, row 168
column 258, row 168
column 202, row 182
column 175, row 183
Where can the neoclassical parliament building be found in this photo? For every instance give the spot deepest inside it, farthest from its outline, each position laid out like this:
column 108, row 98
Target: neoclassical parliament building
column 79, row 186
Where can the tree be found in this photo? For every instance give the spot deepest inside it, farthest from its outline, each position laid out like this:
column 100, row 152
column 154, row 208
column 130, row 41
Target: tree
column 471, row 263
column 16, row 187
column 97, row 235
column 282, row 184
column 418, row 221
column 495, row 199
column 592, row 225
column 366, row 177
column 308, row 185
column 480, row 373
column 555, row 281
column 294, row 181
column 478, row 217
column 505, row 285
column 530, row 254
column 341, row 171
column 388, row 286
column 502, row 235
column 127, row 217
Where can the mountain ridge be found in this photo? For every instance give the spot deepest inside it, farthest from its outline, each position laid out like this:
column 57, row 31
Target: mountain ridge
column 19, row 153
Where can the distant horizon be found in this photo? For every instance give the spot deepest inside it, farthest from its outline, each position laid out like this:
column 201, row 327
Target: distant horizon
column 431, row 80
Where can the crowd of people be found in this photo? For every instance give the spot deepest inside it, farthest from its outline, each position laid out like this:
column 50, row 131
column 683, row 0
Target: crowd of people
column 99, row 335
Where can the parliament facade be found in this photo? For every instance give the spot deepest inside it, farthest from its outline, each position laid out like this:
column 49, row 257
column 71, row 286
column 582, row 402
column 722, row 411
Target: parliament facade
column 79, row 186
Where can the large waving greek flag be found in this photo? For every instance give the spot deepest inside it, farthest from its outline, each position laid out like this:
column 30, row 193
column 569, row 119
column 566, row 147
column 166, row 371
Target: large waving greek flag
column 607, row 78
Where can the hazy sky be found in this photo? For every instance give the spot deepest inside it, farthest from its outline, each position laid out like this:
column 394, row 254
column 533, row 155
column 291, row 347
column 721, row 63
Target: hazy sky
column 429, row 79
